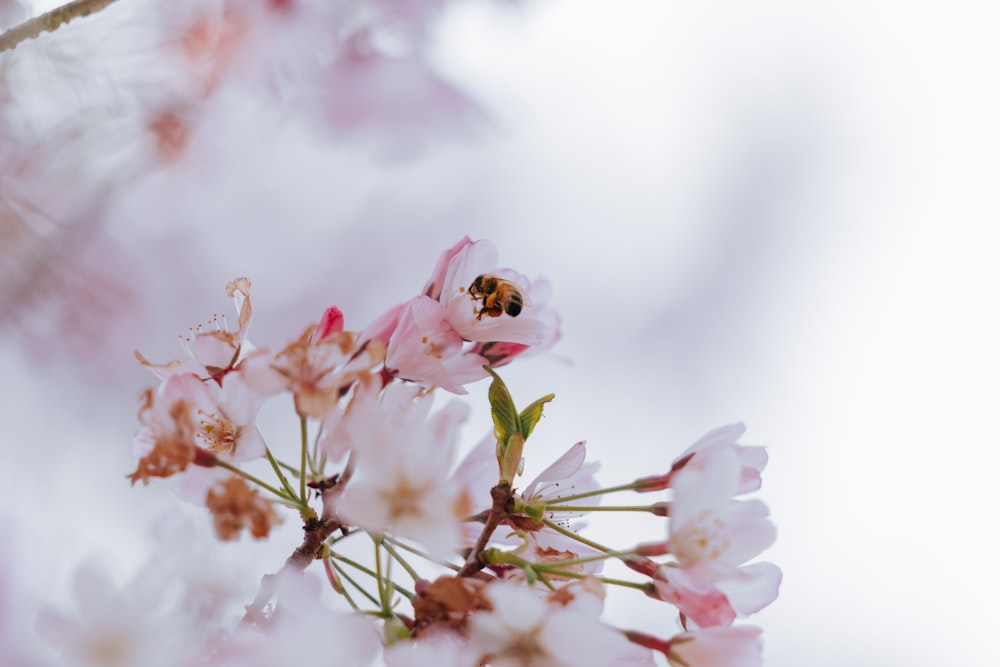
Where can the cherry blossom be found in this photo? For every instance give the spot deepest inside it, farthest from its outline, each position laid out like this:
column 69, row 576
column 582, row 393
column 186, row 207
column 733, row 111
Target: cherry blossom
column 752, row 587
column 189, row 421
column 379, row 470
column 525, row 588
column 118, row 627
column 536, row 325
column 752, row 459
column 567, row 475
column 698, row 600
column 425, row 349
column 289, row 636
column 213, row 350
column 212, row 590
column 711, row 534
column 224, row 415
column 525, row 630
column 401, row 485
column 426, row 336
column 736, row 646
column 442, row 649
column 316, row 369
column 165, row 445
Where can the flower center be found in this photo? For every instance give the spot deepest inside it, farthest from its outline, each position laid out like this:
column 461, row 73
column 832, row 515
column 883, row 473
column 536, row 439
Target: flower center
column 704, row 538
column 216, row 432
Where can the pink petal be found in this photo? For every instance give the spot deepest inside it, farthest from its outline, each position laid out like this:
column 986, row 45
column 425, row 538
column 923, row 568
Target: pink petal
column 563, row 467
column 754, row 588
column 434, row 285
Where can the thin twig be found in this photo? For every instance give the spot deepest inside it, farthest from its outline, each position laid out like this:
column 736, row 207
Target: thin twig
column 316, row 533
column 502, row 496
column 50, row 21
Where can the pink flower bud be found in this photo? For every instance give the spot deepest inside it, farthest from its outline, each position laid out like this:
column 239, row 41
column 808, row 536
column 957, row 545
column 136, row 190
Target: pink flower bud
column 332, row 322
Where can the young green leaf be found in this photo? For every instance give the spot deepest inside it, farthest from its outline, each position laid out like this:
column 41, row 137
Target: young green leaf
column 531, row 414
column 505, row 420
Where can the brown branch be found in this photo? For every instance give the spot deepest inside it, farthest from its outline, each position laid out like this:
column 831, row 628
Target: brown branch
column 316, row 533
column 50, row 21
column 502, row 496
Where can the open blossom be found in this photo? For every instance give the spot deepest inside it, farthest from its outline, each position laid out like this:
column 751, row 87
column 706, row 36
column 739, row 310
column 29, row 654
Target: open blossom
column 441, row 650
column 526, row 630
column 699, row 601
column 424, row 348
column 118, row 627
column 165, row 445
column 536, row 325
column 187, row 420
column 710, row 533
column 224, row 414
column 212, row 589
column 568, row 475
column 213, row 350
column 300, row 631
column 401, row 485
column 736, row 646
column 752, row 459
column 382, row 467
column 711, row 536
column 725, row 439
column 426, row 337
column 316, row 368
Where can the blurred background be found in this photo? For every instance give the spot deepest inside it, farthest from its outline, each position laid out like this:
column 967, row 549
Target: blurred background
column 775, row 212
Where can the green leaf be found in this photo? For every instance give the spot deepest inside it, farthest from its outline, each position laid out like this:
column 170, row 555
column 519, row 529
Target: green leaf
column 505, row 420
column 531, row 414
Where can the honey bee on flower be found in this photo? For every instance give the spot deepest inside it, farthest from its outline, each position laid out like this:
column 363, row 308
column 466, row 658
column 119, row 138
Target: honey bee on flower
column 499, row 296
column 484, row 302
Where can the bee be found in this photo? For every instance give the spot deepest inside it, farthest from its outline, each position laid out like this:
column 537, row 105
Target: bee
column 499, row 296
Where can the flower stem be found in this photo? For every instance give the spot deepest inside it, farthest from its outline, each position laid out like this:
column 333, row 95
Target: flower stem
column 656, row 508
column 250, row 478
column 399, row 559
column 380, row 580
column 349, row 579
column 290, row 468
column 569, row 533
column 277, row 470
column 371, row 573
column 590, row 494
column 417, row 552
column 334, row 583
column 624, row 583
column 303, row 428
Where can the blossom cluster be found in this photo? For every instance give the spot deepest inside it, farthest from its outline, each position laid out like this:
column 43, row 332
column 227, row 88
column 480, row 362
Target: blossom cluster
column 468, row 565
